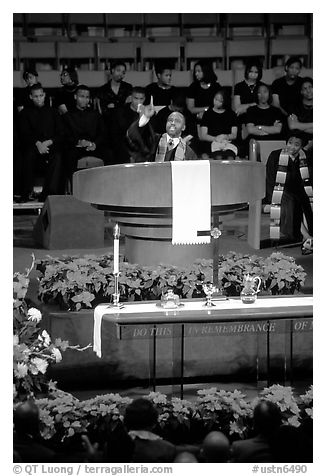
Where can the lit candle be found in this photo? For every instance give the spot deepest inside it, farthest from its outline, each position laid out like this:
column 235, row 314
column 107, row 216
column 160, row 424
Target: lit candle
column 116, row 234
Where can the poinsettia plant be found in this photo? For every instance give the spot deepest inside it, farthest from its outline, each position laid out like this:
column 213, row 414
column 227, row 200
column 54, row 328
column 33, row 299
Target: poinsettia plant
column 224, row 410
column 62, row 416
column 285, row 400
column 306, row 403
column 79, row 282
column 33, row 349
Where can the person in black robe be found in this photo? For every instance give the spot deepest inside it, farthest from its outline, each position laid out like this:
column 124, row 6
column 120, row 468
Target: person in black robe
column 147, row 146
column 42, row 135
column 122, row 118
column 115, row 93
column 295, row 202
column 178, row 104
column 85, row 133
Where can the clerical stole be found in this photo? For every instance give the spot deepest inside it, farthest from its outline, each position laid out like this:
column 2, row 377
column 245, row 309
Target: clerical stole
column 276, row 204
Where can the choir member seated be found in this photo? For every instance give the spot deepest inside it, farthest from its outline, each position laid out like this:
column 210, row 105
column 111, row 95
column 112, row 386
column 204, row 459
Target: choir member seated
column 84, row 132
column 301, row 118
column 42, row 136
column 162, row 91
column 64, row 100
column 245, row 95
column 264, row 121
column 116, row 91
column 219, row 130
column 22, row 98
column 119, row 123
column 202, row 90
column 286, row 90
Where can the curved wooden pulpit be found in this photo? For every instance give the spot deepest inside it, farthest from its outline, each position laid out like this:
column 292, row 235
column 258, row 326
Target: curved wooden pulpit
column 139, row 197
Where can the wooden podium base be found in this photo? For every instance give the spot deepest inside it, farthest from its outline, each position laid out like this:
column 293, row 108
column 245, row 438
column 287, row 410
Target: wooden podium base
column 151, row 252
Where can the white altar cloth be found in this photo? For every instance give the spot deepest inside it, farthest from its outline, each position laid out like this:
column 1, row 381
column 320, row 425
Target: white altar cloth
column 231, row 304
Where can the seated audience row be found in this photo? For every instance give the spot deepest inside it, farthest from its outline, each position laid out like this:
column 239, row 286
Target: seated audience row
column 212, row 129
column 136, row 440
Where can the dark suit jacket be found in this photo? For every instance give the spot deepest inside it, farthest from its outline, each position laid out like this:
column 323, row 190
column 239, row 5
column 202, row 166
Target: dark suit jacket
column 143, row 142
column 252, row 450
column 153, row 451
column 31, row 451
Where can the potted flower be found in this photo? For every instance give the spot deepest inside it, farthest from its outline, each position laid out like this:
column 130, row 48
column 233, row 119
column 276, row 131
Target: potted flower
column 225, row 411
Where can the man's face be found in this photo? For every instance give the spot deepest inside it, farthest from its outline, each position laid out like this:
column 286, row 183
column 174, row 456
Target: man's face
column 307, row 91
column 263, row 95
column 293, row 146
column 198, row 73
column 65, row 78
column 31, row 79
column 38, row 97
column 175, row 124
column 82, row 99
column 136, row 99
column 293, row 70
column 218, row 101
column 118, row 73
column 165, row 77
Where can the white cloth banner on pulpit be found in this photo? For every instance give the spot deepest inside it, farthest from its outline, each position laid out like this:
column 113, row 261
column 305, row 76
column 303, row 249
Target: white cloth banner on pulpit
column 191, row 201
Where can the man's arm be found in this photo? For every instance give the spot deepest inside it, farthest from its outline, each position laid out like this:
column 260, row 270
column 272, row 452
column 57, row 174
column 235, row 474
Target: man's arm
column 240, row 108
column 255, row 130
column 276, row 103
column 295, row 124
column 141, row 137
column 274, row 129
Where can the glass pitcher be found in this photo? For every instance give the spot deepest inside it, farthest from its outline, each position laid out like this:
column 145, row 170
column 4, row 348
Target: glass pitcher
column 251, row 286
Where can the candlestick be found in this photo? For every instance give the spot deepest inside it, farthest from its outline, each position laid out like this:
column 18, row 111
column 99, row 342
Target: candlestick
column 116, row 235
column 116, row 294
column 215, row 234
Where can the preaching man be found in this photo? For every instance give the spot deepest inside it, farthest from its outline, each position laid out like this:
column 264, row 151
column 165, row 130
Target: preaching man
column 147, row 146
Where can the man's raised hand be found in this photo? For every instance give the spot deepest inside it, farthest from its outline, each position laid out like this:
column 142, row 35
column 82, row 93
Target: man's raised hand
column 148, row 110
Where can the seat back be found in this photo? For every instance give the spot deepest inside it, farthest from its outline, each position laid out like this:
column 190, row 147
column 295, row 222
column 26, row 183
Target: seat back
column 259, row 150
column 89, row 162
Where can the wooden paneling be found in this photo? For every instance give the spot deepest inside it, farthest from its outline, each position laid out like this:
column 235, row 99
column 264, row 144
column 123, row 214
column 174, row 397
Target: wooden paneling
column 160, row 50
column 117, row 50
column 289, row 46
column 76, row 50
column 209, row 49
column 37, row 50
column 245, row 47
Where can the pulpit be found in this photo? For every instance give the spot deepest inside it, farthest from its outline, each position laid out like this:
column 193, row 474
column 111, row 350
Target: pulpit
column 139, row 197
